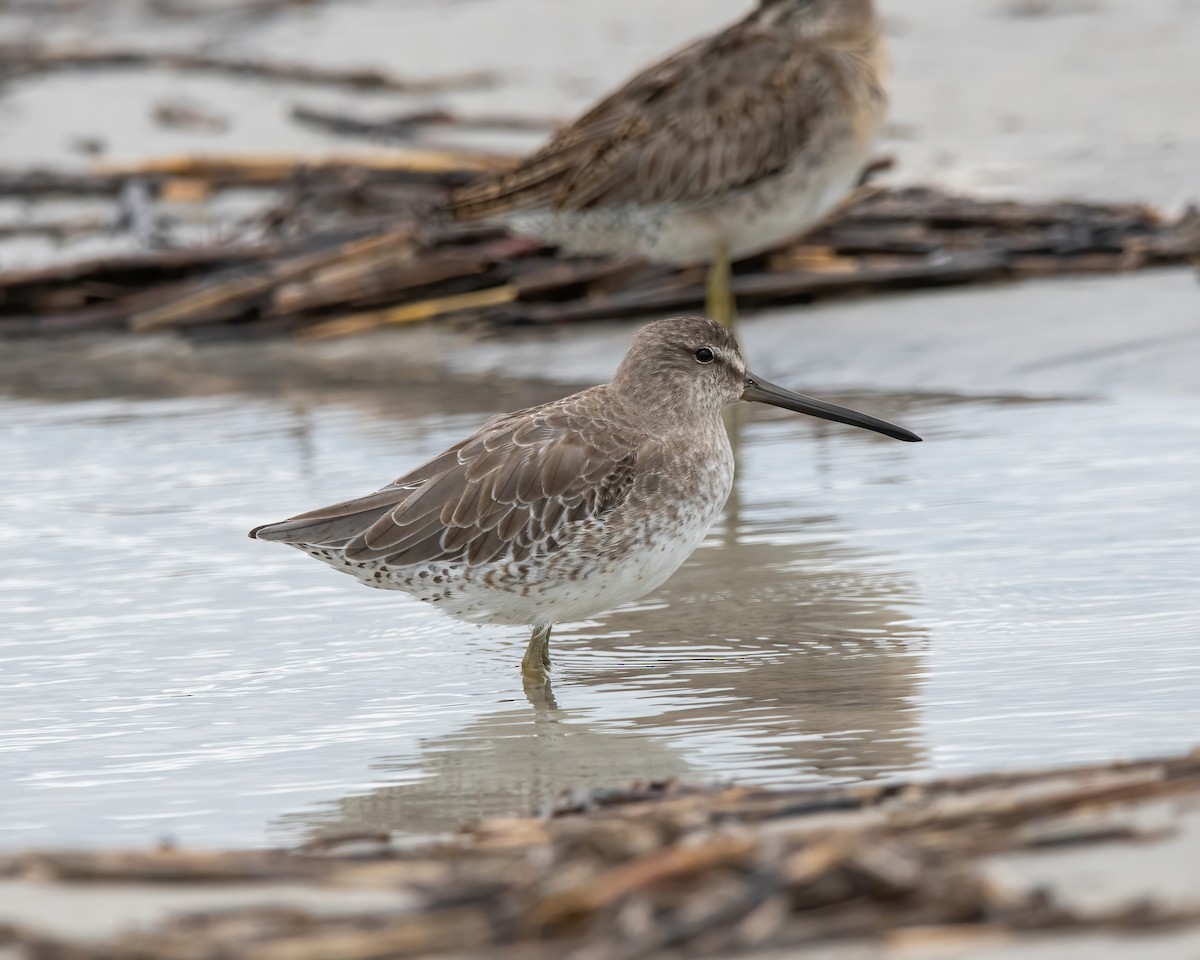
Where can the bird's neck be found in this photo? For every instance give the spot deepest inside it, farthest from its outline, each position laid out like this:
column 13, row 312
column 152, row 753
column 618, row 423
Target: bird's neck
column 661, row 409
column 849, row 24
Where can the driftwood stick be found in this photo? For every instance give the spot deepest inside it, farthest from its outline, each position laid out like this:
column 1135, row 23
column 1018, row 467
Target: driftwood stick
column 25, row 59
column 371, row 278
column 61, row 229
column 37, row 183
column 144, row 266
column 265, row 169
column 209, row 302
column 410, row 312
column 408, row 125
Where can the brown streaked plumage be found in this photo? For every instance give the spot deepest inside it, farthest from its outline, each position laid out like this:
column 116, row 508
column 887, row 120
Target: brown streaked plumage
column 561, row 511
column 732, row 145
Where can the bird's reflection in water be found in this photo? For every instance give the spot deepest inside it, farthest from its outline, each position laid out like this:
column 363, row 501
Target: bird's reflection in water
column 504, row 763
column 774, row 657
column 788, row 661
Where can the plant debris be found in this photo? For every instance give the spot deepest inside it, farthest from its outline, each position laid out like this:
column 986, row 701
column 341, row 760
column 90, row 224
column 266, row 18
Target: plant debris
column 668, row 869
column 411, row 125
column 21, row 60
column 347, row 243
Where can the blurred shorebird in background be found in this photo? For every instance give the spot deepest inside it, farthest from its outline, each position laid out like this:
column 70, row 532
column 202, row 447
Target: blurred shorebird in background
column 729, row 147
column 562, row 511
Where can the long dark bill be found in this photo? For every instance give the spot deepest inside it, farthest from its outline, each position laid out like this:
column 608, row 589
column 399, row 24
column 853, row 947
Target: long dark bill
column 760, row 391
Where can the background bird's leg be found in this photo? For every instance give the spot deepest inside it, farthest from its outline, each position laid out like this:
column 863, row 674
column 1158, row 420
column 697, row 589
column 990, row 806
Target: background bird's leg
column 719, row 301
column 537, row 655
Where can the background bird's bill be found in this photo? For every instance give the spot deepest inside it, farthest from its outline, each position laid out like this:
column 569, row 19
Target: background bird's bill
column 762, row 391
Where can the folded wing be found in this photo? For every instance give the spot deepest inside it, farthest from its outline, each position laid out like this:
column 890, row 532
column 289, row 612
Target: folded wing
column 518, row 487
column 655, row 141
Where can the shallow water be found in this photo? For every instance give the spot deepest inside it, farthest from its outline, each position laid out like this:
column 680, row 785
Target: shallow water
column 1019, row 590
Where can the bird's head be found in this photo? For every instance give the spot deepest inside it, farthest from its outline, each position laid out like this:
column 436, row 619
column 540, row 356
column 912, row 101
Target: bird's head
column 687, row 367
column 819, row 19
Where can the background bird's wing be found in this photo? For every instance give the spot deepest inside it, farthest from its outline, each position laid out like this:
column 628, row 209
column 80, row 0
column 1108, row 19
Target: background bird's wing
column 517, row 485
column 722, row 113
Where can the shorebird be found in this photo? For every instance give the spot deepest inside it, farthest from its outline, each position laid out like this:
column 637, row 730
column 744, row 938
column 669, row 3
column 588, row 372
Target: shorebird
column 562, row 511
column 729, row 147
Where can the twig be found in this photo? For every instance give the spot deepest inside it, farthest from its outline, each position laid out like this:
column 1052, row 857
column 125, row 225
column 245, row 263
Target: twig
column 408, row 125
column 56, row 229
column 138, row 267
column 213, row 303
column 411, row 313
column 265, row 169
column 48, row 183
column 25, row 59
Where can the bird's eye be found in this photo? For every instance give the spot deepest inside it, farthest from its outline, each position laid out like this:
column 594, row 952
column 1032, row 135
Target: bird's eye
column 704, row 355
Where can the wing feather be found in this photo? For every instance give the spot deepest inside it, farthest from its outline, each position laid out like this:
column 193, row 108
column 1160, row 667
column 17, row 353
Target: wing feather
column 514, row 522
column 724, row 112
column 515, row 487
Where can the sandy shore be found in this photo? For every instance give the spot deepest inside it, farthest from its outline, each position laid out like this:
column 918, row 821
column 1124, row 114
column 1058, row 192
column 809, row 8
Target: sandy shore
column 1031, row 98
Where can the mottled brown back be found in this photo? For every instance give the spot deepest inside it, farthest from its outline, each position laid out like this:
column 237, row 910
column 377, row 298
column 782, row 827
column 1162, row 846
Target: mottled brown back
column 723, row 113
column 511, row 488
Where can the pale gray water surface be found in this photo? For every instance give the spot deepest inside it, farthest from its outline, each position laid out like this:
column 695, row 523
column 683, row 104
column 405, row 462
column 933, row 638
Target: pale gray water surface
column 1019, row 590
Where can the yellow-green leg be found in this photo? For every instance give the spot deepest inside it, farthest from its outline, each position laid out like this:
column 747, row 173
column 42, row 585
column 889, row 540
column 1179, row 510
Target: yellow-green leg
column 719, row 301
column 537, row 655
